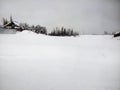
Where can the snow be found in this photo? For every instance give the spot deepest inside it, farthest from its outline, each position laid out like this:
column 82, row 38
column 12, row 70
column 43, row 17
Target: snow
column 30, row 61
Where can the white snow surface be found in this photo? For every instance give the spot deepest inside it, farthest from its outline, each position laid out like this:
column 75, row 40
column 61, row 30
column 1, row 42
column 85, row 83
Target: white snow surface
column 30, row 61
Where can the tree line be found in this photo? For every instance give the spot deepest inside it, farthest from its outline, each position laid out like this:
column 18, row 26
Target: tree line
column 39, row 29
column 63, row 32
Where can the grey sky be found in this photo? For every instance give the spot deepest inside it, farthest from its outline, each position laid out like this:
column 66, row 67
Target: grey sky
column 87, row 16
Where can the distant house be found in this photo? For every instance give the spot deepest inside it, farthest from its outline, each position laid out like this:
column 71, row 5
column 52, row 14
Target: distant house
column 23, row 26
column 11, row 25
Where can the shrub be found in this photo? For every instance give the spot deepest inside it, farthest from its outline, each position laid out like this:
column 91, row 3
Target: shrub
column 63, row 32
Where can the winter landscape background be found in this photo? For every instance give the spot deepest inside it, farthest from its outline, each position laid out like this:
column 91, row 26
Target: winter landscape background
column 30, row 61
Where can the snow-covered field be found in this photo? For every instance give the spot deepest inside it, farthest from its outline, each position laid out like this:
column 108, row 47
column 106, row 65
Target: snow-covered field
column 30, row 61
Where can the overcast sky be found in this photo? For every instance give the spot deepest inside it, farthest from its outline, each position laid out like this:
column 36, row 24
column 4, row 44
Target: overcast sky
column 87, row 16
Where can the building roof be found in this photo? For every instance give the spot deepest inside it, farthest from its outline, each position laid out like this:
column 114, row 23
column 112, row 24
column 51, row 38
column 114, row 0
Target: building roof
column 11, row 23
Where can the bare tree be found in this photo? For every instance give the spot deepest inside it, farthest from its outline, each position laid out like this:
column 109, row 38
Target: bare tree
column 5, row 21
